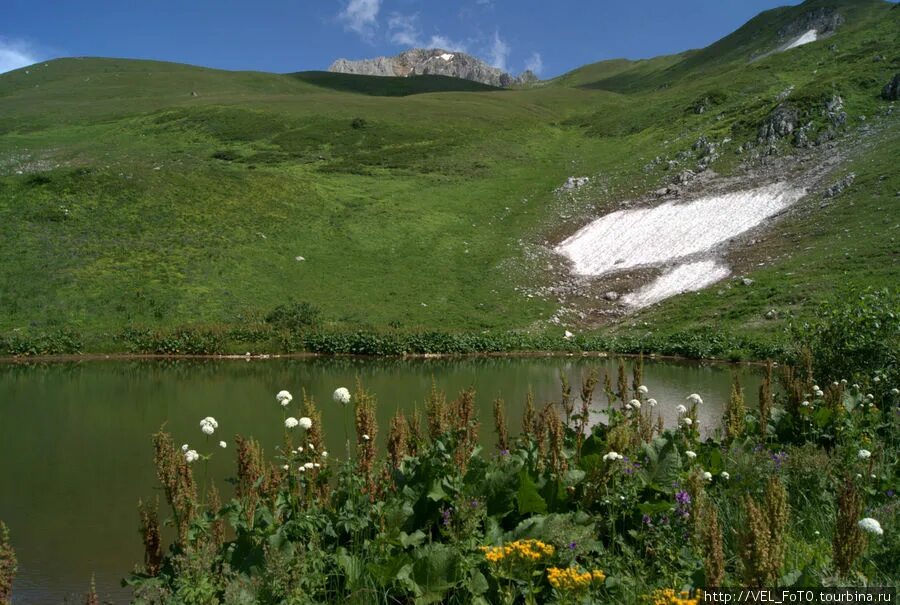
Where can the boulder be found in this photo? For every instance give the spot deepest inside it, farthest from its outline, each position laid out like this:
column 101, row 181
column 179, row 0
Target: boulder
column 891, row 91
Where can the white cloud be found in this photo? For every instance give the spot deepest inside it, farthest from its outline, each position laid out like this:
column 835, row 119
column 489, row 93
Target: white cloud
column 498, row 52
column 15, row 54
column 404, row 29
column 438, row 41
column 535, row 64
column 361, row 16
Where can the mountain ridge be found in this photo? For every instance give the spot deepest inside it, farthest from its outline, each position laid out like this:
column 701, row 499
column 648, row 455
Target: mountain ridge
column 434, row 62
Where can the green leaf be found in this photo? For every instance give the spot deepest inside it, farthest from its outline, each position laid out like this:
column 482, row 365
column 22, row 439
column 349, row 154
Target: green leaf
column 528, row 499
column 436, row 491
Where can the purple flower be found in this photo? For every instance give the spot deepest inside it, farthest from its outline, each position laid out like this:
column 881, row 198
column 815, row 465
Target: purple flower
column 445, row 517
column 504, row 452
column 474, row 503
column 647, row 519
column 779, row 459
column 683, row 504
column 572, row 545
column 889, row 493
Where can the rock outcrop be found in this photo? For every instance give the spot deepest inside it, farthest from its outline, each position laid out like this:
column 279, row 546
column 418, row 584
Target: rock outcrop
column 433, row 61
column 891, row 91
column 825, row 21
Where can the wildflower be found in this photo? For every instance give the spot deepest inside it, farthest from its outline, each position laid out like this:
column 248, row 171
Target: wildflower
column 209, row 425
column 311, row 446
column 299, row 449
column 302, row 469
column 804, row 403
column 341, row 396
column 305, row 423
column 871, row 526
column 635, row 404
column 291, row 422
column 527, row 551
column 317, row 465
column 286, row 467
column 870, row 396
column 571, row 579
column 309, row 466
column 681, row 409
column 725, row 475
column 687, row 421
column 324, row 454
column 844, row 381
column 652, row 402
column 223, row 445
column 185, row 447
column 643, row 390
column 366, row 437
column 647, row 519
column 707, row 475
column 835, row 384
column 690, row 454
column 863, row 454
column 628, row 407
column 694, row 398
column 895, row 391
column 191, row 456
column 572, row 545
column 612, row 456
column 284, row 398
column 877, row 379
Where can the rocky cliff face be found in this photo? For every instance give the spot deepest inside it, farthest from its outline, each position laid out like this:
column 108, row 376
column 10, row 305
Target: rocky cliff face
column 432, row 61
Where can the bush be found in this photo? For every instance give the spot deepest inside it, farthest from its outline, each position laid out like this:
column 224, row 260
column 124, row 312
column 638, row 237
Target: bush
column 294, row 316
column 854, row 337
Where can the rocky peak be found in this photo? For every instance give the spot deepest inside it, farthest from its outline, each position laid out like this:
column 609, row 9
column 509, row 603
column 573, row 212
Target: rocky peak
column 432, row 61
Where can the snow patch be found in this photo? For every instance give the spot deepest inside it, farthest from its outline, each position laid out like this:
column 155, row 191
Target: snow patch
column 446, row 56
column 668, row 232
column 687, row 277
column 682, row 238
column 809, row 36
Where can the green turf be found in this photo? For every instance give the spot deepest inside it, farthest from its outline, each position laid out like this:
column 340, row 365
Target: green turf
column 157, row 194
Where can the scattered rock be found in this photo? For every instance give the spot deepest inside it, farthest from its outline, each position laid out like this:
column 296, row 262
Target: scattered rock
column 611, row 295
column 569, row 335
column 747, row 281
column 780, row 123
column 840, row 186
column 194, row 94
column 772, row 314
column 574, row 182
column 891, row 91
column 299, row 258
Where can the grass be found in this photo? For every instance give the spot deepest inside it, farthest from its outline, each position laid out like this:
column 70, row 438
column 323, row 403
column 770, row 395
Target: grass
column 140, row 193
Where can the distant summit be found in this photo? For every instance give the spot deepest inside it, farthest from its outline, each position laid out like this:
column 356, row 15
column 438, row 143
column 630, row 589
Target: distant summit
column 432, row 61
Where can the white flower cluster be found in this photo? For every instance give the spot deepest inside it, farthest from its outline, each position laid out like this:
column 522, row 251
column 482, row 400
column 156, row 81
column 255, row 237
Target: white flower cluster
column 681, row 409
column 690, row 454
column 635, row 404
column 292, row 423
column 725, row 475
column 341, row 396
column 612, row 456
column 208, row 425
column 694, row 398
column 191, row 456
column 643, row 390
column 871, row 526
column 863, row 454
column 283, row 398
column 687, row 421
column 817, row 391
column 707, row 475
column 651, row 402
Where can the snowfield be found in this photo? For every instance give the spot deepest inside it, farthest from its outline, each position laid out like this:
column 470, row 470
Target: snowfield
column 809, row 36
column 673, row 236
column 687, row 277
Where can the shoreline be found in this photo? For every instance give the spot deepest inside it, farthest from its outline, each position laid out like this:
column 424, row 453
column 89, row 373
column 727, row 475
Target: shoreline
column 79, row 357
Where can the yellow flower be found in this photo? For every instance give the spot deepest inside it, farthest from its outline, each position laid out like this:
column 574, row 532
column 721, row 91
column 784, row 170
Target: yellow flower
column 521, row 550
column 668, row 596
column 570, row 579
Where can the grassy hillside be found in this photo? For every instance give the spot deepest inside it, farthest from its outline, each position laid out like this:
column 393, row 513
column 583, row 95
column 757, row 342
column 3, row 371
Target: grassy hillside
column 155, row 195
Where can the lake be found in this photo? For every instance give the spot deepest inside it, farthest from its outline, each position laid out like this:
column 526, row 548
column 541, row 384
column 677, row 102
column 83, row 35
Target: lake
column 76, row 452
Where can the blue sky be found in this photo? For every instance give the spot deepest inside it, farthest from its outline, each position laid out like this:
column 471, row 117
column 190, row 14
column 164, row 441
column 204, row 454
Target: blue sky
column 292, row 35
